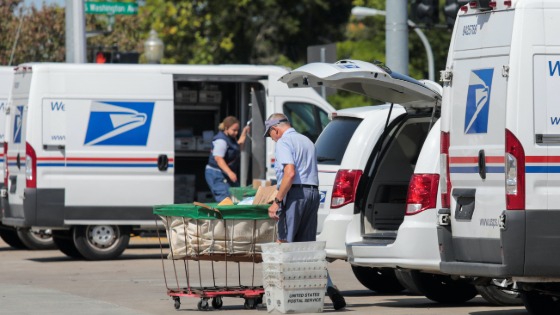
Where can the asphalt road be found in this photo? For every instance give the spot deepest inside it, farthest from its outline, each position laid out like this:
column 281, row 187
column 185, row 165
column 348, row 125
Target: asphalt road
column 48, row 282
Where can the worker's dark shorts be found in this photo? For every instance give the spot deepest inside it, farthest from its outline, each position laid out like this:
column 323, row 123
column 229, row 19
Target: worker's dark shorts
column 298, row 214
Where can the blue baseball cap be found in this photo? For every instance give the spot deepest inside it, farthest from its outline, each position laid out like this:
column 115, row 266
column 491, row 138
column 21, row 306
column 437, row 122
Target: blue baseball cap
column 272, row 122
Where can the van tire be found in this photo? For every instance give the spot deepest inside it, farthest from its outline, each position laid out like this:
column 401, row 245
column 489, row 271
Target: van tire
column 540, row 304
column 499, row 296
column 63, row 240
column 9, row 235
column 440, row 288
column 101, row 242
column 407, row 282
column 36, row 239
column 380, row 280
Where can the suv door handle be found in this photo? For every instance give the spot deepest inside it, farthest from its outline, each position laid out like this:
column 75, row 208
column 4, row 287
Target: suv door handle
column 482, row 164
column 162, row 162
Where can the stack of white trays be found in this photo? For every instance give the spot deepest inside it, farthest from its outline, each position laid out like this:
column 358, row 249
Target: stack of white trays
column 294, row 276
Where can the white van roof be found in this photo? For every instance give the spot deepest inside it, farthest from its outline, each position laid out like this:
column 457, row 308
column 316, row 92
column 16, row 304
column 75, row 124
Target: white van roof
column 367, row 79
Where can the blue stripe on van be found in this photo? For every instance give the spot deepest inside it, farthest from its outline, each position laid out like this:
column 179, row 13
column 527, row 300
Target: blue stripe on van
column 474, row 169
column 542, row 169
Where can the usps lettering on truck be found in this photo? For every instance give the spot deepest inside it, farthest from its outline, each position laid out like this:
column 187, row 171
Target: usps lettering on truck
column 18, row 120
column 478, row 101
column 547, row 74
column 119, row 123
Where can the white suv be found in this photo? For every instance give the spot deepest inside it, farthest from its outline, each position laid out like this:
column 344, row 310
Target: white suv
column 367, row 157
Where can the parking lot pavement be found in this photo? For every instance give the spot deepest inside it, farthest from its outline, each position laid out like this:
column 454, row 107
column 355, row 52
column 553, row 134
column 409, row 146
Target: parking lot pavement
column 47, row 282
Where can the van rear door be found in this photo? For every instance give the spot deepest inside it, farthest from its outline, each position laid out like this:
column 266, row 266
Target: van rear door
column 366, row 79
column 477, row 114
column 16, row 137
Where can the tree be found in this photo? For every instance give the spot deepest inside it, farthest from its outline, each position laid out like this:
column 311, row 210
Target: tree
column 30, row 34
column 233, row 31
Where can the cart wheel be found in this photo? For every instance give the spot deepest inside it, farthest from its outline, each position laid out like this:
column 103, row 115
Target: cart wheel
column 250, row 304
column 203, row 305
column 217, row 302
column 259, row 300
column 177, row 302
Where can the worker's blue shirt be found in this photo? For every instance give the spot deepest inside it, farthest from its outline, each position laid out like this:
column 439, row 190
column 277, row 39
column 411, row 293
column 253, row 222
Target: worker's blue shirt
column 295, row 148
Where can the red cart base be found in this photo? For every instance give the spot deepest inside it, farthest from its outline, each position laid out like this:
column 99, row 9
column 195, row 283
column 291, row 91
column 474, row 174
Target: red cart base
column 252, row 295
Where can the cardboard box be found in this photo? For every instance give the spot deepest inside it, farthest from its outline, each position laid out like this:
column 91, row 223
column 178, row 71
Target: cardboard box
column 260, row 183
column 265, row 195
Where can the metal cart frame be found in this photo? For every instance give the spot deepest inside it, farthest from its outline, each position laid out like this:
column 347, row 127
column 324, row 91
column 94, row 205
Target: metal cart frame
column 192, row 264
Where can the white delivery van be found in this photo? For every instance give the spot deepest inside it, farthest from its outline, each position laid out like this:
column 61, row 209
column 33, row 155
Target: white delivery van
column 500, row 148
column 369, row 158
column 91, row 148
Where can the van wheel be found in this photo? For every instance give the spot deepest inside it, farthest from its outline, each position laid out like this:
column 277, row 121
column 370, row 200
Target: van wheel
column 101, row 242
column 440, row 288
column 9, row 235
column 407, row 282
column 498, row 295
column 63, row 240
column 36, row 238
column 540, row 304
column 380, row 280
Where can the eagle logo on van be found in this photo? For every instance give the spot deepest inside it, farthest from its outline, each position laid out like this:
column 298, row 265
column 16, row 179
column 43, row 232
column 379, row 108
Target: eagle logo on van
column 478, row 101
column 18, row 122
column 119, row 123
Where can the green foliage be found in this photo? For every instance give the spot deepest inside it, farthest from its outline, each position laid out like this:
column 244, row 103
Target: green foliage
column 226, row 31
column 30, row 34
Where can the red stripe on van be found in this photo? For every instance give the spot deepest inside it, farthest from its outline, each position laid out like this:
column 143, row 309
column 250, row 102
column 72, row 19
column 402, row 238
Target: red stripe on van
column 474, row 159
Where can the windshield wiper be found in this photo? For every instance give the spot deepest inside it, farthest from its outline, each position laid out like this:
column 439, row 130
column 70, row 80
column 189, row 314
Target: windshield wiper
column 323, row 159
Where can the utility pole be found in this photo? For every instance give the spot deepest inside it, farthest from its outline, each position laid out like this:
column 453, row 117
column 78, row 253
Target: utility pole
column 396, row 35
column 75, row 32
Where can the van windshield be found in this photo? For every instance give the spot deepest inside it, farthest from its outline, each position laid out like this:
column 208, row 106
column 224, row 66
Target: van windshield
column 334, row 139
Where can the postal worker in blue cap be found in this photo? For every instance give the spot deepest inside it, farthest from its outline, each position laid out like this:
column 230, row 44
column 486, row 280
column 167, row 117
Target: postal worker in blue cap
column 297, row 201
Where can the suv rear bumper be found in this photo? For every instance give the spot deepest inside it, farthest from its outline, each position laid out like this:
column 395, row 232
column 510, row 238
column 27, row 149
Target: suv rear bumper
column 415, row 246
column 529, row 246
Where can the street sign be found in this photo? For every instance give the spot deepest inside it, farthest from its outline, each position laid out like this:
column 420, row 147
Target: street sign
column 128, row 8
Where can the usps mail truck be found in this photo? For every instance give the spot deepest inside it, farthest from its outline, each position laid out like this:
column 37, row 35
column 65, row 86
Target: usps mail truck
column 500, row 153
column 91, row 148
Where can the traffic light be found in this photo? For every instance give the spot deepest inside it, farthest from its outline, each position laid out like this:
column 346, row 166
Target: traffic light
column 113, row 55
column 103, row 57
column 425, row 12
column 451, row 9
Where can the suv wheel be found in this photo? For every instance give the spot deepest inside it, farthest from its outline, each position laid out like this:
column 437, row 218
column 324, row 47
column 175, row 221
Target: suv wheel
column 380, row 280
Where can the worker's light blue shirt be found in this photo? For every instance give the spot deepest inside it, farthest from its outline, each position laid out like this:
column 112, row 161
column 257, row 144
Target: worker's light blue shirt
column 295, row 148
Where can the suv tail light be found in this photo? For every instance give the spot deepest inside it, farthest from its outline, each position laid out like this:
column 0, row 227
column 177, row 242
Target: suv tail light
column 422, row 193
column 445, row 183
column 30, row 166
column 344, row 188
column 6, row 176
column 515, row 173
